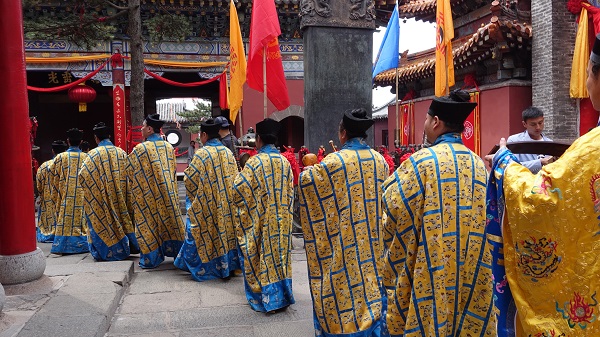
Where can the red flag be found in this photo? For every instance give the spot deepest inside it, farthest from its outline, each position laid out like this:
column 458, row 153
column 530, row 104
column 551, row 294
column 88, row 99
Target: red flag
column 264, row 30
column 223, row 94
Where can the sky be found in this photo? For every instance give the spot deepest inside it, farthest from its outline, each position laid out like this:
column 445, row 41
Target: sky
column 414, row 36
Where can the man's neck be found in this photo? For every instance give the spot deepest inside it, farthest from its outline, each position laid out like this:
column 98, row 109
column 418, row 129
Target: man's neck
column 223, row 133
column 534, row 137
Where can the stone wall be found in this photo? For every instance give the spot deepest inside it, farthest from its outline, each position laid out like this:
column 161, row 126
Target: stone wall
column 554, row 31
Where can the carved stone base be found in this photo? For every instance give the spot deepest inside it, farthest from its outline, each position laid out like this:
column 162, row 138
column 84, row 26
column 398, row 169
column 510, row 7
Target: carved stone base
column 22, row 268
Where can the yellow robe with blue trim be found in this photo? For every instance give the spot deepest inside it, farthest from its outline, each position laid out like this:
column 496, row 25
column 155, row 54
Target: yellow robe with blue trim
column 47, row 209
column 70, row 234
column 104, row 182
column 438, row 270
column 552, row 240
column 159, row 228
column 263, row 197
column 210, row 247
column 340, row 202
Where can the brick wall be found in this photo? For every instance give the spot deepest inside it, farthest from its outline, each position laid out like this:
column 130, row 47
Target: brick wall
column 554, row 31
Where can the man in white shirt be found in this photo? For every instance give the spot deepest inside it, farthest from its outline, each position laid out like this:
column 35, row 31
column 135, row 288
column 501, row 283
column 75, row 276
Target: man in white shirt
column 533, row 121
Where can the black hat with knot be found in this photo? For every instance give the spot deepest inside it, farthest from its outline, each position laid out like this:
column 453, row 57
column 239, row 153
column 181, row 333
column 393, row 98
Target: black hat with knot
column 101, row 130
column 75, row 136
column 356, row 122
column 211, row 127
column 454, row 108
column 595, row 55
column 59, row 146
column 268, row 127
column 154, row 121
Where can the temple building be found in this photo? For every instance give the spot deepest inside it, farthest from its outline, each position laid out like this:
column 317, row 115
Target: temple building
column 492, row 59
column 56, row 63
column 499, row 61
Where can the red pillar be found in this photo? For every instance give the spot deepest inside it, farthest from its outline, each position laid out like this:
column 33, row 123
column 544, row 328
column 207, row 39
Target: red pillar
column 20, row 259
column 17, row 229
column 118, row 95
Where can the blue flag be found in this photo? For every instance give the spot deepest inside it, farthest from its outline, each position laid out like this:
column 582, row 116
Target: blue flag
column 387, row 57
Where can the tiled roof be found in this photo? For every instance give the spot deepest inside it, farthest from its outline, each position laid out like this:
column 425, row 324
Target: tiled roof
column 425, row 9
column 467, row 51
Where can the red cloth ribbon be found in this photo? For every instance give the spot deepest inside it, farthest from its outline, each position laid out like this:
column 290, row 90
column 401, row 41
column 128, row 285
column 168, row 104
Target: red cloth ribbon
column 470, row 82
column 409, row 95
column 179, row 84
column 70, row 85
column 116, row 60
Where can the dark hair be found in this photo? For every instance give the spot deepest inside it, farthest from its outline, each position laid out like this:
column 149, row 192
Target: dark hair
column 350, row 134
column 455, row 127
column 102, row 134
column 212, row 135
column 192, row 141
column 595, row 68
column 84, row 146
column 74, row 141
column 532, row 112
column 155, row 129
column 268, row 139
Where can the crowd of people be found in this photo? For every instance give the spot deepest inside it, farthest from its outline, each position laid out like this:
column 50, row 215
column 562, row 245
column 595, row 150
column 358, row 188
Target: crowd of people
column 436, row 247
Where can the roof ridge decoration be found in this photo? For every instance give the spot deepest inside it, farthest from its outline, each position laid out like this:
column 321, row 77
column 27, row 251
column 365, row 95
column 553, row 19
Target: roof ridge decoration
column 466, row 50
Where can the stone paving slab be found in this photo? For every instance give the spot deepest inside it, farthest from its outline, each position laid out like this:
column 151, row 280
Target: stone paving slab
column 65, row 326
column 73, row 298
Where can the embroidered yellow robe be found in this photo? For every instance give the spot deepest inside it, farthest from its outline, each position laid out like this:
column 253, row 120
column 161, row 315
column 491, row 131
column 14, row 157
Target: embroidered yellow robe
column 340, row 202
column 158, row 224
column 438, row 271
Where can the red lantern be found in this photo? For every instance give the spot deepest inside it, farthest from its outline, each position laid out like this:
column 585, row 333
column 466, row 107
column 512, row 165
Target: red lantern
column 82, row 94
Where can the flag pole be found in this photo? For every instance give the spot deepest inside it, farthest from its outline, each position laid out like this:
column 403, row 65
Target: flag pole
column 397, row 128
column 239, row 116
column 265, row 81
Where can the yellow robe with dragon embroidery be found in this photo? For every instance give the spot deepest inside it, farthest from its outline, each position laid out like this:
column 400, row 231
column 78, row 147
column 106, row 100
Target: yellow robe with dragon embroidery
column 438, row 272
column 552, row 241
column 158, row 224
column 340, row 201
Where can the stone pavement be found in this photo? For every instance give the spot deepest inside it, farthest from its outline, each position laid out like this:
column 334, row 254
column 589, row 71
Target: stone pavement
column 80, row 297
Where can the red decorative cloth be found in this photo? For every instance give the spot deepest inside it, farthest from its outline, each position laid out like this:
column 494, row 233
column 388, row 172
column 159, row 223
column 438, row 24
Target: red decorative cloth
column 291, row 157
column 251, row 152
column 320, row 154
column 301, row 153
column 405, row 156
column 388, row 159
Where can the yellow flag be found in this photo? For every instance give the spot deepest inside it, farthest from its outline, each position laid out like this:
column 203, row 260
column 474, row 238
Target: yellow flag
column 237, row 65
column 444, row 62
column 581, row 57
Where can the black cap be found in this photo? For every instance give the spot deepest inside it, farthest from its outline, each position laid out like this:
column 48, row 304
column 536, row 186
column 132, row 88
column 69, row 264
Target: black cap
column 268, row 127
column 222, row 121
column 154, row 121
column 211, row 127
column 59, row 146
column 595, row 55
column 101, row 130
column 454, row 108
column 74, row 135
column 356, row 122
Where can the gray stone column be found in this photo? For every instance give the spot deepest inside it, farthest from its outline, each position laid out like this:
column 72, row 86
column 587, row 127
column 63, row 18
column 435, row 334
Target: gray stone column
column 2, row 298
column 338, row 54
column 554, row 31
